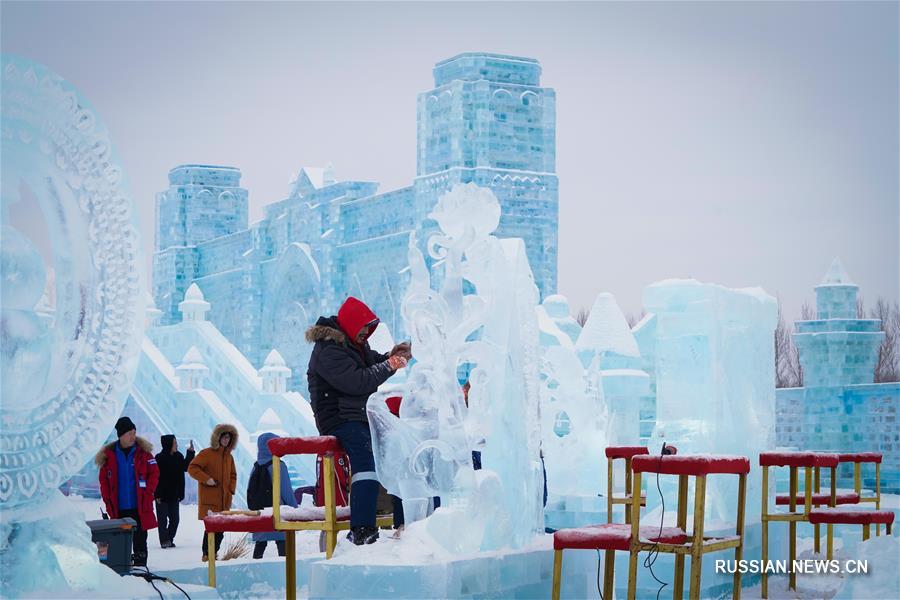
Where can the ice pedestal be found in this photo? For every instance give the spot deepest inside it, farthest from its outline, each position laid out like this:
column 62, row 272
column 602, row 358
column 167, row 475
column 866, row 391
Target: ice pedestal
column 523, row 573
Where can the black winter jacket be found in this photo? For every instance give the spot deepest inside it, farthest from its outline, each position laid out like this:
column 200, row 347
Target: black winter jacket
column 172, row 468
column 341, row 376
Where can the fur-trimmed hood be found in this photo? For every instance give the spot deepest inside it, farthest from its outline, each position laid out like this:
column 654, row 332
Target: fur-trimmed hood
column 325, row 333
column 100, row 457
column 217, row 432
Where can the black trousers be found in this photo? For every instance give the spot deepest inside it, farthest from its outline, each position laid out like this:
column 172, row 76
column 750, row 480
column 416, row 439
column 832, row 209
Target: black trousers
column 167, row 515
column 139, row 539
column 219, row 538
column 260, row 548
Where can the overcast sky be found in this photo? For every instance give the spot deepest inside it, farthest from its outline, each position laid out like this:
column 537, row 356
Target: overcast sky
column 738, row 143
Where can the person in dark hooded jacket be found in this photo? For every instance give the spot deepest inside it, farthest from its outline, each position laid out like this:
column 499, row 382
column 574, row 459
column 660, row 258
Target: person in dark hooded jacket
column 264, row 461
column 343, row 372
column 170, row 489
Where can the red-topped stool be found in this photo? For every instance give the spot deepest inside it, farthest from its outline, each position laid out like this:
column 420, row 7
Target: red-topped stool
column 325, row 519
column 834, row 516
column 809, row 461
column 859, row 459
column 608, row 537
column 243, row 521
column 626, row 453
column 698, row 467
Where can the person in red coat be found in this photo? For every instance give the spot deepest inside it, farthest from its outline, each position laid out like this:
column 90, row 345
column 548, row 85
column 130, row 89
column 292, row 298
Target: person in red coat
column 128, row 477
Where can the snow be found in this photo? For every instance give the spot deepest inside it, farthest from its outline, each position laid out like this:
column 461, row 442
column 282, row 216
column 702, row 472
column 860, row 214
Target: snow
column 307, row 513
column 187, row 552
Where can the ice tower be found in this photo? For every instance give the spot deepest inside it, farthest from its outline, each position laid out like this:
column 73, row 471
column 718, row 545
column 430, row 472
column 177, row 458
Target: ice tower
column 837, row 348
column 488, row 121
column 202, row 203
column 840, row 408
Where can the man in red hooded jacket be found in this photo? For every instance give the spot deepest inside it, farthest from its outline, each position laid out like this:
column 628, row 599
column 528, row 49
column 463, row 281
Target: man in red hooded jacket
column 343, row 372
column 128, row 477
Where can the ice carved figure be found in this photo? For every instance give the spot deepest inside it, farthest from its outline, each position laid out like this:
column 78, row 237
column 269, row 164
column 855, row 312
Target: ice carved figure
column 427, row 451
column 65, row 377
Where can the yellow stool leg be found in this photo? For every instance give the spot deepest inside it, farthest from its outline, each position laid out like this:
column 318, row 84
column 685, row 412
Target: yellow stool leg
column 878, row 495
column 290, row 564
column 816, row 530
column 739, row 531
column 681, row 523
column 697, row 540
column 628, row 487
column 867, row 531
column 609, row 490
column 557, row 573
column 792, row 540
column 635, row 536
column 830, row 536
column 765, row 531
column 609, row 572
column 211, row 553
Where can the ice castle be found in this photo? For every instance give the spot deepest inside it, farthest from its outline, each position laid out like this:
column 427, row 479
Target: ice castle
column 487, row 121
column 839, row 407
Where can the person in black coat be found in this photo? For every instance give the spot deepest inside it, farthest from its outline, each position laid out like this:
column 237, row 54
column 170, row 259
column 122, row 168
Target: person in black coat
column 170, row 490
column 343, row 372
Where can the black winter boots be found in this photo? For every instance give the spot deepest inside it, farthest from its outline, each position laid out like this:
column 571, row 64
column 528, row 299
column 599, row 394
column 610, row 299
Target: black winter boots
column 363, row 535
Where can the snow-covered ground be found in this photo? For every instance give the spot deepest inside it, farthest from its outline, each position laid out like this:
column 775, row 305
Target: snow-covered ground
column 187, row 552
column 881, row 582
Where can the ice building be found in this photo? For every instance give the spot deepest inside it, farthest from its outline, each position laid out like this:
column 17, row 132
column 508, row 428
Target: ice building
column 839, row 407
column 487, row 120
column 190, row 377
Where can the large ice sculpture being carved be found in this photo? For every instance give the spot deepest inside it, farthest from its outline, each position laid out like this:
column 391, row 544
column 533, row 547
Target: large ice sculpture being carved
column 427, row 451
column 65, row 378
column 714, row 375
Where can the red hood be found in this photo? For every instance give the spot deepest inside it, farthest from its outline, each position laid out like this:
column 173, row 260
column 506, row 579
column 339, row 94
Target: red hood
column 353, row 316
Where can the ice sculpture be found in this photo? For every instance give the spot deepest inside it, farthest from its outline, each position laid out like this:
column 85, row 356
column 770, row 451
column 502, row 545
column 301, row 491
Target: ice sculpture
column 573, row 415
column 65, row 378
column 427, row 451
column 714, row 375
column 606, row 343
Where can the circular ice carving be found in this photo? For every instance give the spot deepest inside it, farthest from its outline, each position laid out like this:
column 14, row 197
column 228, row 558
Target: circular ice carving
column 66, row 375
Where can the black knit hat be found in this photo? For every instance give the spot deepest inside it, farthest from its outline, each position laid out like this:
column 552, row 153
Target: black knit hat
column 123, row 426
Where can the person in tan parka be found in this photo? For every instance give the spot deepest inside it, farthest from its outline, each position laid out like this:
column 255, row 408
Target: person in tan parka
column 213, row 468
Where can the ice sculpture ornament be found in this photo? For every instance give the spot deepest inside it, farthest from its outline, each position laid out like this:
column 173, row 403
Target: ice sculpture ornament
column 65, row 378
column 427, row 452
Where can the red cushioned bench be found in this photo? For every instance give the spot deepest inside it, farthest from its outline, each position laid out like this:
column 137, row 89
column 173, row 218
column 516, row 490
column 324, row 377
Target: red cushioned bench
column 608, row 537
column 634, row 538
column 613, row 536
column 859, row 459
column 812, row 463
column 819, row 499
column 834, row 516
column 626, row 453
